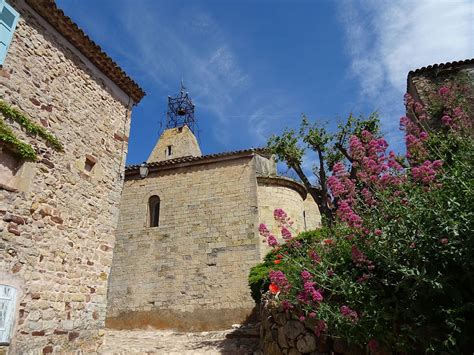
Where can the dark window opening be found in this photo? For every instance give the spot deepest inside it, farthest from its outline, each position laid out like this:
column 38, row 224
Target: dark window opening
column 89, row 164
column 168, row 150
column 154, row 211
column 10, row 166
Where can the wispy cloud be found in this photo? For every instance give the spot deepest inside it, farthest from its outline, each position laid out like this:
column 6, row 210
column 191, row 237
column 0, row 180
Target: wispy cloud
column 197, row 51
column 386, row 39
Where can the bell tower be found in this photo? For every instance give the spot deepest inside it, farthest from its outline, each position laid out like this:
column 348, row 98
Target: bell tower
column 178, row 139
column 180, row 110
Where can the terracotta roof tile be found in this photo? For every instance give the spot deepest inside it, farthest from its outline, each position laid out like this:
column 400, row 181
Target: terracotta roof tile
column 446, row 65
column 64, row 25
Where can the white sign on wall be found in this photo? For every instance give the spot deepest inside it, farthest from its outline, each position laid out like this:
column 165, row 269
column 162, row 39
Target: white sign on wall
column 7, row 312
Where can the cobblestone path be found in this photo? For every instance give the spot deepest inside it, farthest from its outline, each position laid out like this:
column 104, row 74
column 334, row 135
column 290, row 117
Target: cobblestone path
column 234, row 341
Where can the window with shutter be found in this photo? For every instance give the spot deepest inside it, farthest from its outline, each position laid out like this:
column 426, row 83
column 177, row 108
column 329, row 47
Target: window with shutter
column 7, row 312
column 8, row 20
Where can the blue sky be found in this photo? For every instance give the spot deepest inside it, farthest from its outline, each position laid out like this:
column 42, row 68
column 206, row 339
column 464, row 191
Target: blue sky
column 253, row 67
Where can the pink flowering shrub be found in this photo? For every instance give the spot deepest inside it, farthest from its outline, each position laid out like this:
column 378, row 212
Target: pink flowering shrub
column 394, row 270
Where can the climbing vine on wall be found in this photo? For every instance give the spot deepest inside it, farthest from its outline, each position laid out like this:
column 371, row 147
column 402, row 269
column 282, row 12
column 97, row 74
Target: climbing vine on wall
column 7, row 136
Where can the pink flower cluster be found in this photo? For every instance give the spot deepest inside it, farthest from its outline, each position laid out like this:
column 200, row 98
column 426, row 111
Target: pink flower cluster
column 415, row 129
column 306, row 275
column 279, row 278
column 454, row 116
column 340, row 183
column 266, row 234
column 282, row 218
column 360, row 259
column 314, row 256
column 349, row 314
column 309, row 293
column 320, row 327
column 284, row 223
column 286, row 234
column 363, row 278
column 376, row 170
column 374, row 167
column 444, row 91
column 343, row 188
column 426, row 172
column 347, row 214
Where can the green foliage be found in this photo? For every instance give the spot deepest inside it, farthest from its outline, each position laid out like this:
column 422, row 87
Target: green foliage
column 24, row 150
column 258, row 277
column 419, row 295
column 396, row 267
column 258, row 280
column 330, row 147
column 29, row 126
column 286, row 148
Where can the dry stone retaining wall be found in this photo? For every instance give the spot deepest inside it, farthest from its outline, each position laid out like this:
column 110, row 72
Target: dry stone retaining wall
column 281, row 333
column 57, row 228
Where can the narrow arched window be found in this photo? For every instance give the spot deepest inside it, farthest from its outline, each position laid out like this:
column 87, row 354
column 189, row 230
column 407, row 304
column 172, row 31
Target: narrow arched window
column 154, row 211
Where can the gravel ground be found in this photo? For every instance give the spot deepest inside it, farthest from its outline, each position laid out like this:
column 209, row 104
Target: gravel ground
column 233, row 341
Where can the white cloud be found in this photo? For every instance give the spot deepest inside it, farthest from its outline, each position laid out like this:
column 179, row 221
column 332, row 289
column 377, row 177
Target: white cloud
column 198, row 52
column 386, row 39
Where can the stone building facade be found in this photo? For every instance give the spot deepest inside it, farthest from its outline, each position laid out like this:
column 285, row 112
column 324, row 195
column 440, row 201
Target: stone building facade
column 188, row 268
column 422, row 83
column 58, row 213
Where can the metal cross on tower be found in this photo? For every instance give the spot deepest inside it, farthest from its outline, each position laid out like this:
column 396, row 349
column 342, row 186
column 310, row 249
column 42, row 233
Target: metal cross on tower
column 180, row 111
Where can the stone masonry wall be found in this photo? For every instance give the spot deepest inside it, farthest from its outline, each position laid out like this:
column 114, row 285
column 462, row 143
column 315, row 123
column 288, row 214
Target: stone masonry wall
column 182, row 142
column 57, row 231
column 422, row 86
column 272, row 195
column 191, row 271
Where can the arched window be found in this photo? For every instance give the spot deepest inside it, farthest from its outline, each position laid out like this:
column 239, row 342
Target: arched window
column 154, row 211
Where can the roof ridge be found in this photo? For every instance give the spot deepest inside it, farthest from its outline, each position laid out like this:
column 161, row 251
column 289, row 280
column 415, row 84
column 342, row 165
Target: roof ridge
column 442, row 65
column 190, row 158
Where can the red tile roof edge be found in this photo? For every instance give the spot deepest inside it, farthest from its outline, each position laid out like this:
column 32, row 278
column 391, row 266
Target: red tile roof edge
column 71, row 31
column 190, row 159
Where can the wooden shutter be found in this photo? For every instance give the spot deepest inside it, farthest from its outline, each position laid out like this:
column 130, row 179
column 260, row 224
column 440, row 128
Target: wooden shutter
column 8, row 20
column 7, row 312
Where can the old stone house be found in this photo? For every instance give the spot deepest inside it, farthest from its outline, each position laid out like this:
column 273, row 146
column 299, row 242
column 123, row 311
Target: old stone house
column 65, row 110
column 188, row 232
column 423, row 82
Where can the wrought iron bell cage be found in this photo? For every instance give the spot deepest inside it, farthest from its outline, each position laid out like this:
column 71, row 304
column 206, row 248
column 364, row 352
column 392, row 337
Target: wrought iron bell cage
column 180, row 111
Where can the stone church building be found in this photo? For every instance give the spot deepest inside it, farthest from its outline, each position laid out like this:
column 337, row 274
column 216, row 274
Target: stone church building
column 188, row 232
